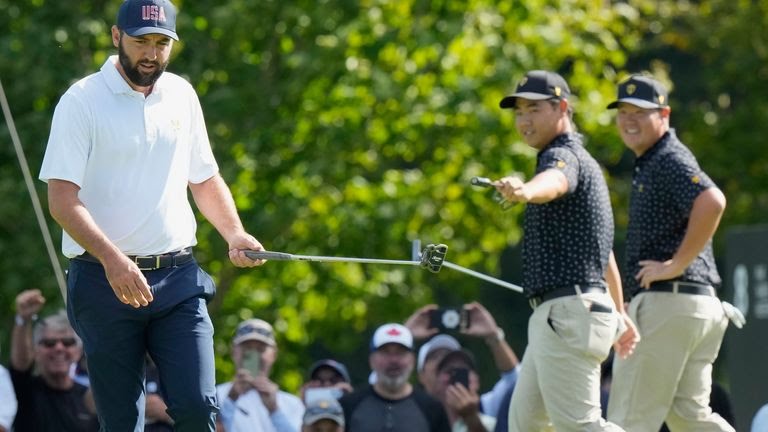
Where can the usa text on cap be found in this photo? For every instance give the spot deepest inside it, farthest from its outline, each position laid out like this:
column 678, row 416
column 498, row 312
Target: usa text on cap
column 142, row 17
column 642, row 91
column 538, row 85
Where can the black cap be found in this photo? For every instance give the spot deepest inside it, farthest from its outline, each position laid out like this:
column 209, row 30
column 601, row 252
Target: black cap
column 332, row 364
column 142, row 17
column 538, row 85
column 642, row 91
column 463, row 355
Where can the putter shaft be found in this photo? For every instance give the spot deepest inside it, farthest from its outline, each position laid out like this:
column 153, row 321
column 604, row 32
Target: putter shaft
column 282, row 256
column 482, row 276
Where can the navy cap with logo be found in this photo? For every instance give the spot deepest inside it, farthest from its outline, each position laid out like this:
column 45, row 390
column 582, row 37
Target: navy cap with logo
column 538, row 85
column 642, row 91
column 142, row 17
column 323, row 409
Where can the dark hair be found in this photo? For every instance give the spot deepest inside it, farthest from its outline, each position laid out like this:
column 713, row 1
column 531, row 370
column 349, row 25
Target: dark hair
column 555, row 102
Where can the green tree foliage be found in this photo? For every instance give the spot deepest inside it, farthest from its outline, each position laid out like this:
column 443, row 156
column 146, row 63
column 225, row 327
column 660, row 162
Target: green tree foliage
column 351, row 128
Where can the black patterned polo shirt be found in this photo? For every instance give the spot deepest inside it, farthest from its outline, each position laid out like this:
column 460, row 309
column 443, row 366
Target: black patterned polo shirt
column 666, row 181
column 567, row 241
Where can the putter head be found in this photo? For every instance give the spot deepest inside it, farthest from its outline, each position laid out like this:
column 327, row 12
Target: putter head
column 432, row 257
column 481, row 181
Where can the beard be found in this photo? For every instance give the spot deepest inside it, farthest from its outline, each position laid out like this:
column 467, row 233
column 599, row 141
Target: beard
column 138, row 78
column 395, row 381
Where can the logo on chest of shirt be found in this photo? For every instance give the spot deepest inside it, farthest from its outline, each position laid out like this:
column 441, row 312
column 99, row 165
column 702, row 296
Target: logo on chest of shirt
column 175, row 125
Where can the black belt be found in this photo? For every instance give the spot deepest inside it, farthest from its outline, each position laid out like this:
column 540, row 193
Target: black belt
column 570, row 290
column 151, row 262
column 683, row 287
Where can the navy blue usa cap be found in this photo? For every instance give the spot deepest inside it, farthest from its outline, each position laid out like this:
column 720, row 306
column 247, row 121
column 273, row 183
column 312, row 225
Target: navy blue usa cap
column 142, row 17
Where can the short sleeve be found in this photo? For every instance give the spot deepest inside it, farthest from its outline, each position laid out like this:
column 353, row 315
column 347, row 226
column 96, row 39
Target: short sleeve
column 563, row 160
column 69, row 143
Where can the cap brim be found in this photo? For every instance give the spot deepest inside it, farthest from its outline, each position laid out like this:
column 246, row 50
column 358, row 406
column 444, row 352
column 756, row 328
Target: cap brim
column 509, row 101
column 642, row 103
column 256, row 337
column 141, row 31
column 409, row 348
column 461, row 355
column 333, row 366
column 441, row 341
column 309, row 420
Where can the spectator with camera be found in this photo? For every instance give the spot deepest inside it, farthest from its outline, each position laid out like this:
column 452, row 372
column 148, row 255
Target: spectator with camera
column 49, row 400
column 252, row 402
column 472, row 320
column 456, row 385
column 403, row 406
column 330, row 375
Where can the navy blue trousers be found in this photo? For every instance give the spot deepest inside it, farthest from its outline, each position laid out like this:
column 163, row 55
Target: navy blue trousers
column 174, row 329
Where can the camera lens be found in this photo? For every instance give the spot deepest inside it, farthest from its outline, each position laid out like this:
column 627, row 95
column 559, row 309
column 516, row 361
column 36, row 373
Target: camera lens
column 451, row 319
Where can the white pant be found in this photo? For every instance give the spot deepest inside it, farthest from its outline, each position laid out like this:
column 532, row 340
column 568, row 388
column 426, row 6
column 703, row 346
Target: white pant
column 669, row 377
column 559, row 383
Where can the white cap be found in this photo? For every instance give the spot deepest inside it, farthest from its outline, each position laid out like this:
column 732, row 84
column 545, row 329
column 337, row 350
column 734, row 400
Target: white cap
column 392, row 333
column 437, row 342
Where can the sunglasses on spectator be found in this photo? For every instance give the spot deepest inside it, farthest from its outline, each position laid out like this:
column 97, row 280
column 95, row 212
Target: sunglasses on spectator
column 50, row 343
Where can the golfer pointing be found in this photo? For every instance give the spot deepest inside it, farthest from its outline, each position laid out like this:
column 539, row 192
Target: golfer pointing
column 568, row 267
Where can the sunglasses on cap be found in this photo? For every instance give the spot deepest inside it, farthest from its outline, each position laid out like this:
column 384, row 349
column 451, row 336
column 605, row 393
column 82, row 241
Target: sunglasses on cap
column 50, row 343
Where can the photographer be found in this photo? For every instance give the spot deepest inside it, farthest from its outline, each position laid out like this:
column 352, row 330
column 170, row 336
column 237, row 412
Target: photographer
column 474, row 321
column 252, row 402
column 328, row 374
column 456, row 386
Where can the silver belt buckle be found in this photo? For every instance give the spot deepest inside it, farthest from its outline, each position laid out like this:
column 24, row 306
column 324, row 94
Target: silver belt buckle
column 157, row 262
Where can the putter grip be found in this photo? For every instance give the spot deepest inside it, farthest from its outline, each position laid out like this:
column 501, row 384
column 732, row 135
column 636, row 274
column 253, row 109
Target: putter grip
column 481, row 181
column 268, row 255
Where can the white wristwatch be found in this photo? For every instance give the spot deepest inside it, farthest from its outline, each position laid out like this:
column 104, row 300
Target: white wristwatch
column 496, row 338
column 21, row 322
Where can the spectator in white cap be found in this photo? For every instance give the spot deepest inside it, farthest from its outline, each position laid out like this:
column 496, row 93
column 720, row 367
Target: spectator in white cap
column 404, row 407
column 323, row 415
column 481, row 324
column 252, row 402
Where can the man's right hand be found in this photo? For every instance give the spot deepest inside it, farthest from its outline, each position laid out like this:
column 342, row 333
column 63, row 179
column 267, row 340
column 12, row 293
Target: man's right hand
column 626, row 343
column 418, row 322
column 242, row 383
column 127, row 281
column 29, row 303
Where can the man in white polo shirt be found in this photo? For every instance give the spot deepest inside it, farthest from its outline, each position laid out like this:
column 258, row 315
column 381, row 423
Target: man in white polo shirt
column 125, row 145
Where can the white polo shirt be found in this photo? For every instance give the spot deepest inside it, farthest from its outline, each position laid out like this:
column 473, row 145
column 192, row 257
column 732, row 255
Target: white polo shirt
column 132, row 158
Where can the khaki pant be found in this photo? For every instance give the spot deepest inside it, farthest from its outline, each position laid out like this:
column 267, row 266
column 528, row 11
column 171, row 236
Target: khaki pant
column 669, row 377
column 559, row 384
